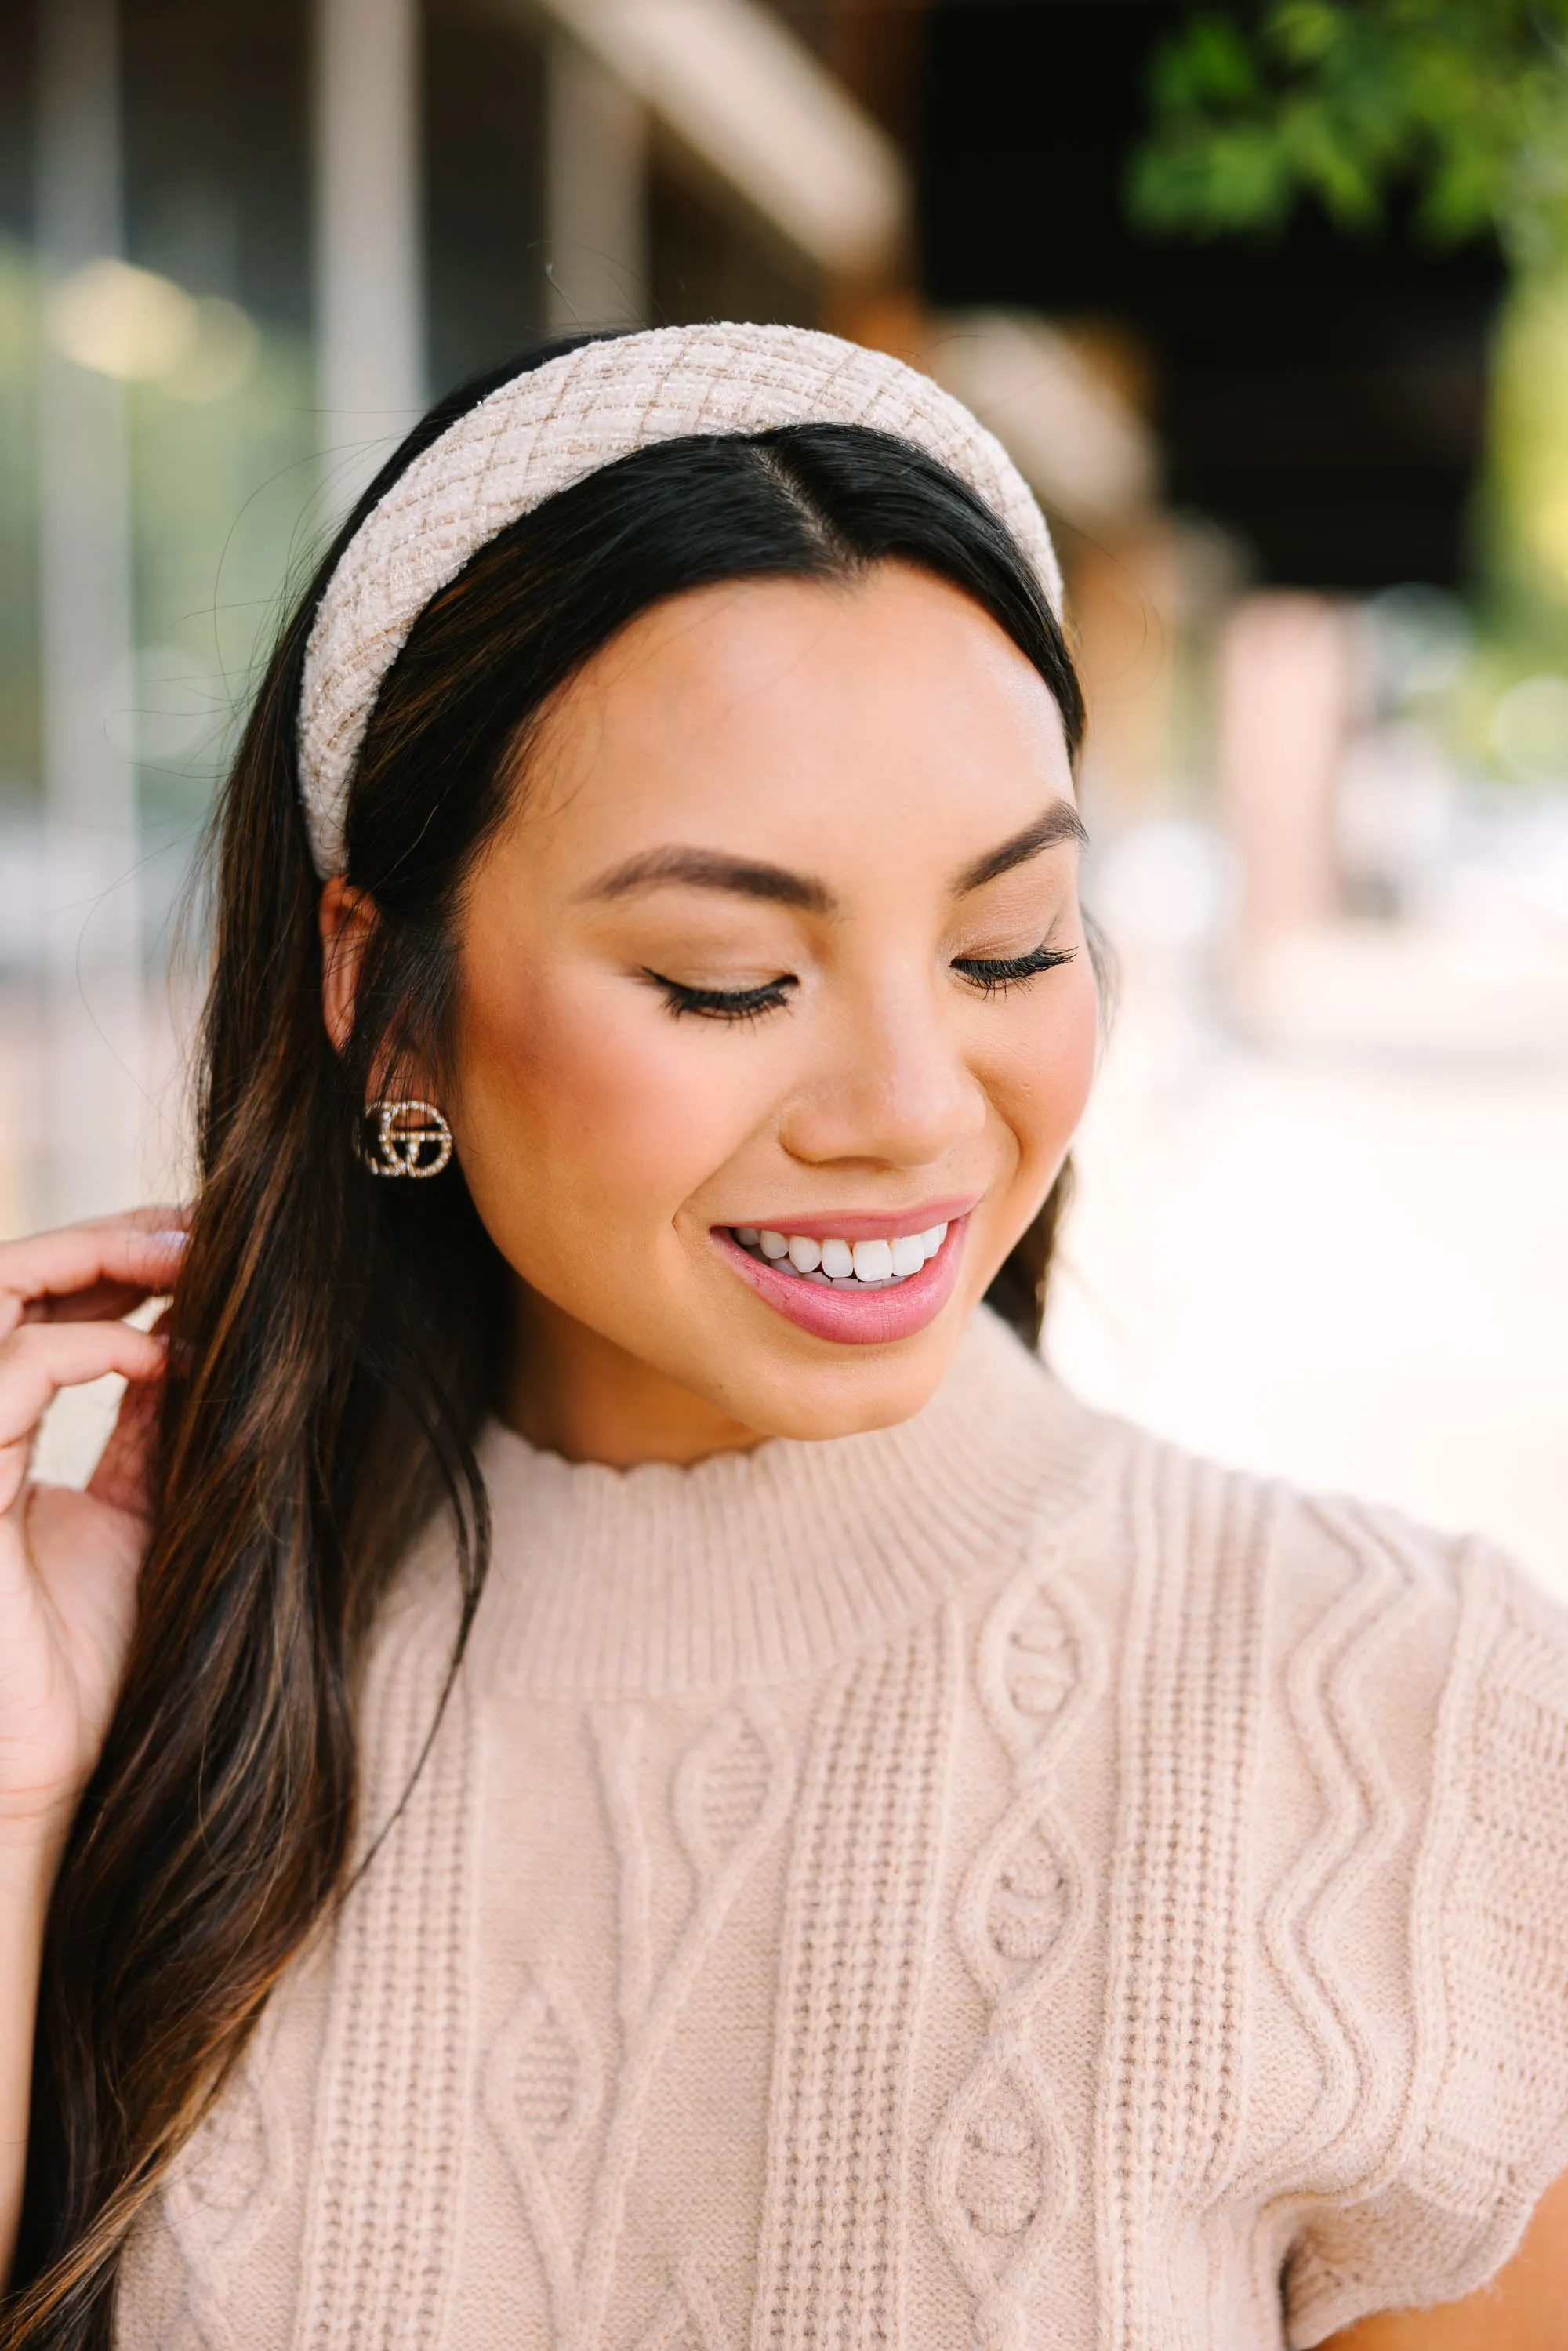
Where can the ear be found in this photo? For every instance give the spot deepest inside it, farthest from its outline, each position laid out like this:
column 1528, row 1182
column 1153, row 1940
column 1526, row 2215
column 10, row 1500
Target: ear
column 347, row 917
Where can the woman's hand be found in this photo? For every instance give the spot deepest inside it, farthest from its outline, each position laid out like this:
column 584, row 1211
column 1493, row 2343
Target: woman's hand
column 68, row 1560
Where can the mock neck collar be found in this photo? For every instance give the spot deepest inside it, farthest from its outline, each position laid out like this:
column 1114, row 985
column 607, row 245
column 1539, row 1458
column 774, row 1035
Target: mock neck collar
column 763, row 1565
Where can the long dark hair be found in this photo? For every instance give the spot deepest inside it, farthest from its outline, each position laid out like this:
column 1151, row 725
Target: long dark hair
column 336, row 1343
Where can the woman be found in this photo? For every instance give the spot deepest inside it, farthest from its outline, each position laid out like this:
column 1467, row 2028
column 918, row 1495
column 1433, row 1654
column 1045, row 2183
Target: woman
column 668, row 1787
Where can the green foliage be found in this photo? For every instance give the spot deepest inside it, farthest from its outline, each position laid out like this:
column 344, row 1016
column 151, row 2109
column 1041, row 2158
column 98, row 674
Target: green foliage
column 1462, row 104
column 1525, row 506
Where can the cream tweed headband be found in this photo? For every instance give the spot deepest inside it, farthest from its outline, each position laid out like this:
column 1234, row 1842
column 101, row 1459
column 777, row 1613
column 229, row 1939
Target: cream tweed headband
column 550, row 428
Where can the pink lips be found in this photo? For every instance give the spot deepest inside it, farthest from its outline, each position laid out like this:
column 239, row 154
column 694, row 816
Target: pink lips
column 866, row 1318
column 848, row 1226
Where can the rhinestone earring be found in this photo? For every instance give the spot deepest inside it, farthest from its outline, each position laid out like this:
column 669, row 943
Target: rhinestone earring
column 409, row 1138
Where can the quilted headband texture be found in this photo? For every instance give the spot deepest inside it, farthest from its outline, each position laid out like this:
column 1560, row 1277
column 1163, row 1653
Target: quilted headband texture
column 545, row 430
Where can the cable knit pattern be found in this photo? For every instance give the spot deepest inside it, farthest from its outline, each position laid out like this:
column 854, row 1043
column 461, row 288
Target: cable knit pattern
column 395, row 2073
column 1487, row 2123
column 550, row 428
column 1001, row 2175
column 991, row 1882
column 225, row 2189
column 856, row 1936
column 1176, row 2037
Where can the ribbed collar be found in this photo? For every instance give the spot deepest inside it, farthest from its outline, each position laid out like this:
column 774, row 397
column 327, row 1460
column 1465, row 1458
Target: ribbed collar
column 760, row 1566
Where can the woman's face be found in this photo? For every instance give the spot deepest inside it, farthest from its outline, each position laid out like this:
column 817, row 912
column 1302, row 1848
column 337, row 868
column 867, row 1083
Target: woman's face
column 781, row 939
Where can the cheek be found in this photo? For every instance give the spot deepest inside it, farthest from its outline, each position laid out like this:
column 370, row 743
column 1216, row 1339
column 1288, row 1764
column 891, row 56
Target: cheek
column 1041, row 1084
column 589, row 1101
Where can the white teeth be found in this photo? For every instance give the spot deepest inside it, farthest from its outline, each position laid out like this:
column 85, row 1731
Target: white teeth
column 874, row 1262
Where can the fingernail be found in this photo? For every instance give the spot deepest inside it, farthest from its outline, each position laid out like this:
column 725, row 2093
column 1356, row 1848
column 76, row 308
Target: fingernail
column 171, row 1239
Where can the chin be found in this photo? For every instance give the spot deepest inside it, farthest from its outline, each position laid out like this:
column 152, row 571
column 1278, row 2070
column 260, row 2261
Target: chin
column 867, row 1389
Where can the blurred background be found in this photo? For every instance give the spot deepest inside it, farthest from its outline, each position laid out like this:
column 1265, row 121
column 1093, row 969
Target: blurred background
column 1272, row 307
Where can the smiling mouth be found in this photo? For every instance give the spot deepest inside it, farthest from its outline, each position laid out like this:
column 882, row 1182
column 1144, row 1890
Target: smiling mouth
column 868, row 1286
column 834, row 1263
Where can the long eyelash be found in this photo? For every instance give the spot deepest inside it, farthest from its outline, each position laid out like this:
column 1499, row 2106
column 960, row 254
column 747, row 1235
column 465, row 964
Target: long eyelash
column 723, row 1003
column 992, row 972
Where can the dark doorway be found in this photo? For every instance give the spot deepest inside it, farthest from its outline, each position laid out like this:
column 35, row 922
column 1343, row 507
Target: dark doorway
column 1320, row 394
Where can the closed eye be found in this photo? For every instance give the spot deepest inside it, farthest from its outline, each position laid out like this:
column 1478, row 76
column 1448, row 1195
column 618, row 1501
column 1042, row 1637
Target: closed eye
column 991, row 973
column 723, row 1003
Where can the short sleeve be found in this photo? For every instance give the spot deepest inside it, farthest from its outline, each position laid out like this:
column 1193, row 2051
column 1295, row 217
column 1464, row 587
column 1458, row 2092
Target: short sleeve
column 1486, row 2127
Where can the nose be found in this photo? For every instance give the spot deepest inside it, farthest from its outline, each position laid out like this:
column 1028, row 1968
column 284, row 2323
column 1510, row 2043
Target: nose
column 893, row 1089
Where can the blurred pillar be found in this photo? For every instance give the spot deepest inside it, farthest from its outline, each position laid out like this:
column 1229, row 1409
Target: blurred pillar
column 1125, row 599
column 1286, row 689
column 596, row 193
column 368, row 247
column 746, row 96
column 95, row 1100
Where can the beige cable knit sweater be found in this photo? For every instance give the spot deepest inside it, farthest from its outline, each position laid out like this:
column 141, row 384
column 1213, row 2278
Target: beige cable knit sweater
column 995, row 1882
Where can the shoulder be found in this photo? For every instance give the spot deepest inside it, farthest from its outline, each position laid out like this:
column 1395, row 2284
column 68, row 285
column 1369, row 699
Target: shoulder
column 1354, row 1732
column 1380, row 1665
column 1486, row 1965
column 1434, row 1664
column 1175, row 1547
column 1176, row 1543
column 1322, row 1631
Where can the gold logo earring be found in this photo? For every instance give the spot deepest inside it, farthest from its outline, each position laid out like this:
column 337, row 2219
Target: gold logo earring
column 406, row 1138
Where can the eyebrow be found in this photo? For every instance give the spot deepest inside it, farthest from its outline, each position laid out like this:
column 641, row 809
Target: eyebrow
column 1060, row 821
column 777, row 885
column 709, row 869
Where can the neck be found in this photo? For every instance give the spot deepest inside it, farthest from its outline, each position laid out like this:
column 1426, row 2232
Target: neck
column 572, row 1392
column 762, row 1564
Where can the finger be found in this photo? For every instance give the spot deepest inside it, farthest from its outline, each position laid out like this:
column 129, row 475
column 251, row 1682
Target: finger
column 157, row 1215
column 37, row 1361
column 164, row 1215
column 85, row 1272
column 121, row 1475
